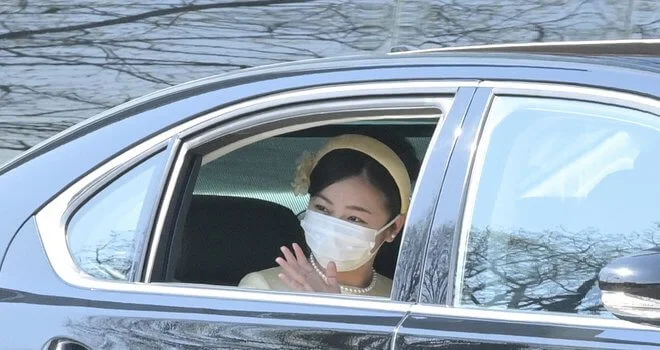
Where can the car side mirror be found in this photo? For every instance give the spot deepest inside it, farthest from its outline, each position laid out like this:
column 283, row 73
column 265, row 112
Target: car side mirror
column 630, row 287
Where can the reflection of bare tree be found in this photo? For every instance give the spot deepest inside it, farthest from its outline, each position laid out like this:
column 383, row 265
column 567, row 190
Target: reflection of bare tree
column 112, row 259
column 64, row 60
column 550, row 270
column 437, row 282
column 223, row 330
column 415, row 242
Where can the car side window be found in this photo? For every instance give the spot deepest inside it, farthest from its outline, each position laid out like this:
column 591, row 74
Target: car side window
column 559, row 189
column 106, row 234
column 243, row 206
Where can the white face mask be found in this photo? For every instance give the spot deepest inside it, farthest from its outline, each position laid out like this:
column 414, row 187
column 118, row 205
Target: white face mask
column 348, row 245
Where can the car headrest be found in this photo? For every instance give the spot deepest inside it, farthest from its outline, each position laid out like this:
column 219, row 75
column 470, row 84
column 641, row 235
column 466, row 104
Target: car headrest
column 225, row 238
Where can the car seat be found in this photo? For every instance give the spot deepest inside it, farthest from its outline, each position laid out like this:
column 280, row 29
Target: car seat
column 225, row 238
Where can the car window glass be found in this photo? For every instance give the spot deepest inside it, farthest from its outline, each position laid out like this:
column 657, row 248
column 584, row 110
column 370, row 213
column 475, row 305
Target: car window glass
column 562, row 187
column 106, row 234
column 243, row 207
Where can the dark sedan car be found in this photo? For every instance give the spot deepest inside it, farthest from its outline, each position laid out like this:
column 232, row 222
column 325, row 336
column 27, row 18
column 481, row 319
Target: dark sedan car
column 539, row 174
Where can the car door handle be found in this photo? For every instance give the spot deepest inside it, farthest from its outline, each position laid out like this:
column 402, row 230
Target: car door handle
column 65, row 344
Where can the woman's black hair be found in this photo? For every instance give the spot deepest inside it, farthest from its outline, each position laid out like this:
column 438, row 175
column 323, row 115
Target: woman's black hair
column 340, row 164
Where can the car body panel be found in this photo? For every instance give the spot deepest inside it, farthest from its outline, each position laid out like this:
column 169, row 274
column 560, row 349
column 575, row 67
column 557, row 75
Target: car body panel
column 49, row 307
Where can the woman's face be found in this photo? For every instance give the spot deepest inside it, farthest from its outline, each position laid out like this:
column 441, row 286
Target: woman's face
column 356, row 200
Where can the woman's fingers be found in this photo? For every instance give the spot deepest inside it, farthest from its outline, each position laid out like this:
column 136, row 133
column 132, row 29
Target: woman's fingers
column 295, row 271
column 299, row 252
column 302, row 259
column 288, row 255
column 291, row 270
column 331, row 277
column 298, row 273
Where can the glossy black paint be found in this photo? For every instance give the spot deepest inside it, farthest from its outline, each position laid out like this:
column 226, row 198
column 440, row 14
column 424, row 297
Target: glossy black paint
column 38, row 306
column 442, row 249
column 408, row 279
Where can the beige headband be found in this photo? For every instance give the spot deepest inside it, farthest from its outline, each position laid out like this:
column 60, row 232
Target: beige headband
column 367, row 145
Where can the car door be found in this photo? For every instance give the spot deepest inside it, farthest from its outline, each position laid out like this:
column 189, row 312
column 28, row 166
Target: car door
column 95, row 246
column 546, row 185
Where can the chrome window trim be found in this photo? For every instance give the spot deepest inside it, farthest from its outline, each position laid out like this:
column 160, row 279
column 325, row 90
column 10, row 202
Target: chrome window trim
column 289, row 113
column 387, row 109
column 536, row 317
column 326, row 93
column 97, row 184
column 532, row 90
column 397, row 329
column 173, row 146
column 52, row 218
column 165, row 197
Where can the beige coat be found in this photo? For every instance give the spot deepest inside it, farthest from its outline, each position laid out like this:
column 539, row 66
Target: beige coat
column 268, row 279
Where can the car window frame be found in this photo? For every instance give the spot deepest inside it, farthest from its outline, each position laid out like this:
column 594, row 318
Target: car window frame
column 147, row 212
column 296, row 120
column 229, row 137
column 232, row 137
column 51, row 219
column 454, row 208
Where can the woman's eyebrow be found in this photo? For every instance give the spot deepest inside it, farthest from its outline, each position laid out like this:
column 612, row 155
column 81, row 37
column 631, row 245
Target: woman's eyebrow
column 324, row 198
column 357, row 208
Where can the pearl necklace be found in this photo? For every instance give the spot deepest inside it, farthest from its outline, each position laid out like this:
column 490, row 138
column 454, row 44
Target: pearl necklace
column 346, row 289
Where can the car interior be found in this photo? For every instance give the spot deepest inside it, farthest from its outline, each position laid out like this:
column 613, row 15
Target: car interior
column 240, row 208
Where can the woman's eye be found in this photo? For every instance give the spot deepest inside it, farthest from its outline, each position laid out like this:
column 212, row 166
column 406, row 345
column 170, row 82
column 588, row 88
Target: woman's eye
column 321, row 208
column 356, row 219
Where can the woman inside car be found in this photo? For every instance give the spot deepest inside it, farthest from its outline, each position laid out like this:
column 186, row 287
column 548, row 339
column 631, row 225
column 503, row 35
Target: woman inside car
column 359, row 189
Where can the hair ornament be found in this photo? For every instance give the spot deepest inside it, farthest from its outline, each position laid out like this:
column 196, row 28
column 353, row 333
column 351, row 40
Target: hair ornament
column 304, row 166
